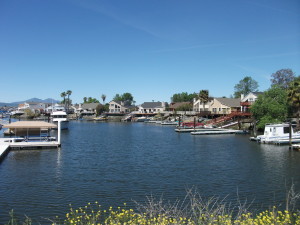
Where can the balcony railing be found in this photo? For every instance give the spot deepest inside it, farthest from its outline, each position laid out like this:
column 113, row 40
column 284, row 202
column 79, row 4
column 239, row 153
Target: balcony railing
column 246, row 103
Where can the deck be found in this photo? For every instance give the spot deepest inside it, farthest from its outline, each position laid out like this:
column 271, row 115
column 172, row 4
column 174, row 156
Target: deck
column 4, row 149
column 7, row 144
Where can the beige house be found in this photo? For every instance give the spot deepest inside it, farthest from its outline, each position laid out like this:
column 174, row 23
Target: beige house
column 221, row 106
column 198, row 106
column 120, row 107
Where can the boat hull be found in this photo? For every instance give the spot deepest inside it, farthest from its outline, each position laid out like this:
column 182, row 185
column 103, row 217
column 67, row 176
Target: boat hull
column 64, row 125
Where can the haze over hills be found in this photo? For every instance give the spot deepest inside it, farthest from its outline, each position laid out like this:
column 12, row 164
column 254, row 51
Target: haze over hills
column 48, row 100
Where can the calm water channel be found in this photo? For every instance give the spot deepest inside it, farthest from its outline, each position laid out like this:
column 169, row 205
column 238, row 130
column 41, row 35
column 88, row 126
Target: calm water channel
column 113, row 163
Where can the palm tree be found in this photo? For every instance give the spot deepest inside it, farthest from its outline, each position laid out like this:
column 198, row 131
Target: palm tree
column 103, row 96
column 203, row 97
column 294, row 97
column 69, row 92
column 63, row 95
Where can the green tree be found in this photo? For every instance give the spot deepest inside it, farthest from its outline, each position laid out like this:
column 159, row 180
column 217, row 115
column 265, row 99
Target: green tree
column 282, row 78
column 183, row 97
column 103, row 96
column 100, row 109
column 203, row 97
column 90, row 100
column 63, row 95
column 126, row 97
column 68, row 93
column 185, row 107
column 293, row 93
column 29, row 113
column 245, row 86
column 117, row 97
column 270, row 107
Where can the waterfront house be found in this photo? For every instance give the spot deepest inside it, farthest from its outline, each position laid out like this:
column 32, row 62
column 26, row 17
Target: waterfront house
column 120, row 107
column 152, row 107
column 33, row 106
column 223, row 106
column 202, row 108
column 89, row 109
column 248, row 100
column 76, row 108
column 174, row 106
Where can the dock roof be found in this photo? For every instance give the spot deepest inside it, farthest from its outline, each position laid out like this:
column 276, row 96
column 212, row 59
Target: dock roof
column 30, row 125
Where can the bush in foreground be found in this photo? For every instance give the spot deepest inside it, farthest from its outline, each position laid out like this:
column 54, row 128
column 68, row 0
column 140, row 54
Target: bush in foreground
column 93, row 214
column 192, row 211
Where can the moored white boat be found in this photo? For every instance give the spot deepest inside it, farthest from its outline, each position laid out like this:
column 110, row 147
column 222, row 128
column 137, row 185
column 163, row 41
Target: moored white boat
column 207, row 131
column 101, row 119
column 169, row 123
column 16, row 113
column 60, row 116
column 141, row 119
column 277, row 134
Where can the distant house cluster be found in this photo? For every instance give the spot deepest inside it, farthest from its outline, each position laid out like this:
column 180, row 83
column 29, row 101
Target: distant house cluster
column 213, row 106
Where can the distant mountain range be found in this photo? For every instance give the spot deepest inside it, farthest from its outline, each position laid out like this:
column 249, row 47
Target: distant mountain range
column 48, row 100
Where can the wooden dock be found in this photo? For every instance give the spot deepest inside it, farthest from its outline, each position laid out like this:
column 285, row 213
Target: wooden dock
column 295, row 147
column 23, row 139
column 34, row 145
column 7, row 144
column 4, row 149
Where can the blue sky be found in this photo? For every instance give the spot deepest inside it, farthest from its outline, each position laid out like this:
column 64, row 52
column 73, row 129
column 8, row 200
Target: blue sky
column 150, row 48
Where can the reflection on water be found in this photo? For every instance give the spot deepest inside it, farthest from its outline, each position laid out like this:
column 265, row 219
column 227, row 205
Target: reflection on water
column 120, row 162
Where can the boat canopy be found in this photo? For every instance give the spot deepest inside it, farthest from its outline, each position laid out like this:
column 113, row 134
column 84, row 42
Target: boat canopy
column 30, row 125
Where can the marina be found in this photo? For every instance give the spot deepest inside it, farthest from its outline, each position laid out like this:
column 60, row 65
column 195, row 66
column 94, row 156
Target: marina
column 124, row 163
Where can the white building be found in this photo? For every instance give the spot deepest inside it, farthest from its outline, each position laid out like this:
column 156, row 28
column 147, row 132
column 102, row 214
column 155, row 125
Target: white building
column 152, row 107
column 33, row 106
column 119, row 107
column 198, row 106
column 248, row 100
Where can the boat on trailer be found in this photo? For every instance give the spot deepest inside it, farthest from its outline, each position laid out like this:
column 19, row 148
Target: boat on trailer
column 277, row 134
